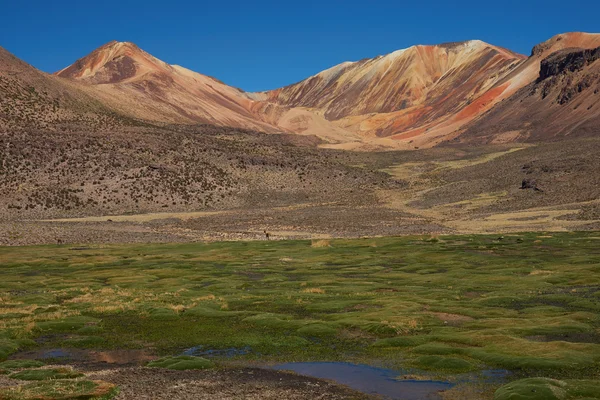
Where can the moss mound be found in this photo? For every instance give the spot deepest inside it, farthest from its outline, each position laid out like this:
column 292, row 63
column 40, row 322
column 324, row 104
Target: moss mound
column 7, row 347
column 401, row 341
column 549, row 389
column 182, row 363
column 436, row 349
column 162, row 314
column 533, row 389
column 208, row 312
column 21, row 364
column 316, row 330
column 61, row 390
column 444, row 364
column 45, row 374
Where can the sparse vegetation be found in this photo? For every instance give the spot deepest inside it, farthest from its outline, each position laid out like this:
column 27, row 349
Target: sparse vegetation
column 158, row 170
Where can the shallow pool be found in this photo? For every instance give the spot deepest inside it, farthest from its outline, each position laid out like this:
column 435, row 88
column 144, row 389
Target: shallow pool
column 371, row 380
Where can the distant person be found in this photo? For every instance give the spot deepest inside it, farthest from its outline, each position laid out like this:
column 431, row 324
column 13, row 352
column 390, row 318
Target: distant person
column 267, row 235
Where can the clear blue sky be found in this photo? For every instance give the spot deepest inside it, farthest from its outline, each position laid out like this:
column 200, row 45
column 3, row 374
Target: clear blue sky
column 259, row 45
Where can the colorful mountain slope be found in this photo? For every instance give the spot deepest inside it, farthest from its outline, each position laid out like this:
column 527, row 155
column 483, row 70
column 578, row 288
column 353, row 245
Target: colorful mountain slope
column 417, row 97
column 138, row 84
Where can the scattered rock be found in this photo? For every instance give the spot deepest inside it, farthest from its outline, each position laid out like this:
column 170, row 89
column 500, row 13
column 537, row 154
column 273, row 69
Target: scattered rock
column 530, row 184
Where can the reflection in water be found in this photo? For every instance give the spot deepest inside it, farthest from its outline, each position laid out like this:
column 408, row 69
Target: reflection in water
column 119, row 357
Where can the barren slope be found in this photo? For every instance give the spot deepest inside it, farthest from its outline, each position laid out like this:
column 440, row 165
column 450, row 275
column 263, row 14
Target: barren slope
column 351, row 104
column 411, row 98
column 522, row 75
column 418, row 87
column 31, row 99
column 47, row 174
column 138, row 84
column 564, row 101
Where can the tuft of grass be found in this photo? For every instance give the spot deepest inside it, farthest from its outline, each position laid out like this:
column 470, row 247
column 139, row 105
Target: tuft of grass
column 182, row 363
column 61, row 390
column 46, row 374
column 21, row 364
column 7, row 347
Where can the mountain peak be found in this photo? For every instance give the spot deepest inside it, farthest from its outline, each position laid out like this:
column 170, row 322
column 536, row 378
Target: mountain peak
column 111, row 63
column 119, row 46
column 566, row 40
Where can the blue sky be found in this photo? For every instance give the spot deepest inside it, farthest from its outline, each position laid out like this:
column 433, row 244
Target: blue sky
column 259, row 45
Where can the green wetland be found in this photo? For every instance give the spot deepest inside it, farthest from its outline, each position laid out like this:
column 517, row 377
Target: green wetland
column 444, row 308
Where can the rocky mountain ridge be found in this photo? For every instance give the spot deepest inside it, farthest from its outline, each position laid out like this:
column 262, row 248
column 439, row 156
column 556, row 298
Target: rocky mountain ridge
column 417, row 97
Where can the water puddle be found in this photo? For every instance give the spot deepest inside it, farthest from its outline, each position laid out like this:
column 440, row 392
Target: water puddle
column 491, row 376
column 371, row 380
column 121, row 357
column 117, row 357
column 54, row 354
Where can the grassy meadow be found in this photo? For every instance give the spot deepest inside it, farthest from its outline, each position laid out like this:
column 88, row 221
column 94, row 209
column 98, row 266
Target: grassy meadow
column 528, row 303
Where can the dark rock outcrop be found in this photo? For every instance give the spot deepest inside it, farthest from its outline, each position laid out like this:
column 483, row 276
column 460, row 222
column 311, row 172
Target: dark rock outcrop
column 530, row 184
column 568, row 60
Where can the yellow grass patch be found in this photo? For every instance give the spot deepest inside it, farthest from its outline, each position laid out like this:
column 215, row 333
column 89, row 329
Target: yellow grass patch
column 177, row 307
column 110, row 308
column 404, row 326
column 540, row 272
column 19, row 310
column 210, row 297
column 314, row 290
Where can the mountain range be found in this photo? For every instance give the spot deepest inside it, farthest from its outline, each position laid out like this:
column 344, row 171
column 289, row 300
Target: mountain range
column 121, row 146
column 418, row 97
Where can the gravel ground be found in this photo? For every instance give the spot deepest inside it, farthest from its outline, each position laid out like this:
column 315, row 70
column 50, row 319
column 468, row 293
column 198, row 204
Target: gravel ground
column 138, row 383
